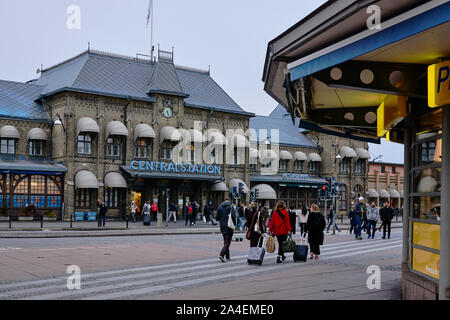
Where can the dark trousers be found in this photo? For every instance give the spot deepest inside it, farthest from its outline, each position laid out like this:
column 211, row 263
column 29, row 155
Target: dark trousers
column 154, row 214
column 387, row 225
column 302, row 229
column 281, row 239
column 225, row 252
column 315, row 248
column 255, row 240
column 101, row 220
column 190, row 218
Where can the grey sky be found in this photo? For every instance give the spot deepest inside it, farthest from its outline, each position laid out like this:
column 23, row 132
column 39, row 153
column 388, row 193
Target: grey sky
column 231, row 36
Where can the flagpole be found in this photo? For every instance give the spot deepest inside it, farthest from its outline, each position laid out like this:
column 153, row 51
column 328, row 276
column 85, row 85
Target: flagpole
column 151, row 32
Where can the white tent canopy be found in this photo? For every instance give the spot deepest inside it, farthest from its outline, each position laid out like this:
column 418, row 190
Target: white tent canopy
column 219, row 187
column 394, row 193
column 383, row 193
column 9, row 132
column 314, row 157
column 362, row 153
column 143, row 130
column 115, row 180
column 373, row 193
column 266, row 192
column 37, row 134
column 300, row 156
column 170, row 133
column 347, row 152
column 215, row 136
column 116, row 128
column 86, row 180
column 285, row 155
column 87, row 124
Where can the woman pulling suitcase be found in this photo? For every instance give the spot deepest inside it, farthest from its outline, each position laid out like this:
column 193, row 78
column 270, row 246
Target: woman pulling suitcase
column 315, row 226
column 280, row 227
column 256, row 228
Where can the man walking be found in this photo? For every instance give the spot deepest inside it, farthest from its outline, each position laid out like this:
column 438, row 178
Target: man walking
column 386, row 215
column 102, row 215
column 373, row 215
column 225, row 209
column 359, row 211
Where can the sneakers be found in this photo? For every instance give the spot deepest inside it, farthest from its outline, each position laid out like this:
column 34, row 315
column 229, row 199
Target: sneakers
column 316, row 257
column 222, row 259
column 312, row 256
column 279, row 260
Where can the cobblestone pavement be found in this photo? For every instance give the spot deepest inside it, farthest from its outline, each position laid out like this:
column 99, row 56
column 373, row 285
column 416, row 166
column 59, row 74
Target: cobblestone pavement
column 179, row 267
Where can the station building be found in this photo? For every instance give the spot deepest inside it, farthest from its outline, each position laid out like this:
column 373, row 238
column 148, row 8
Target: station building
column 372, row 69
column 104, row 126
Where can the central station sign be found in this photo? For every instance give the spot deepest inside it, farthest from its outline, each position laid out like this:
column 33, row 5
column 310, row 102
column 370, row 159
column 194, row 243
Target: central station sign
column 439, row 84
column 170, row 167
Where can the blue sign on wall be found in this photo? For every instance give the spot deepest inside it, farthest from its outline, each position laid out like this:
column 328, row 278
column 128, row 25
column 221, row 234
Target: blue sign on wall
column 169, row 167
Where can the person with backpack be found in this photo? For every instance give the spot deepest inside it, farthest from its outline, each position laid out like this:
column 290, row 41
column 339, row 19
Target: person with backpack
column 386, row 216
column 223, row 213
column 173, row 208
column 207, row 212
column 188, row 212
column 315, row 226
column 280, row 227
column 302, row 218
column 373, row 215
column 195, row 212
column 256, row 227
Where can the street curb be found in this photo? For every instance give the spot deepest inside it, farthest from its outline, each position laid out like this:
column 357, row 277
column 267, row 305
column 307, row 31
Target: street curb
column 46, row 233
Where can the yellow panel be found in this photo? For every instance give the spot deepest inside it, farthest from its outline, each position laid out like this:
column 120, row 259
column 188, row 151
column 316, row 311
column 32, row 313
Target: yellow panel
column 427, row 235
column 391, row 111
column 426, row 262
column 439, row 84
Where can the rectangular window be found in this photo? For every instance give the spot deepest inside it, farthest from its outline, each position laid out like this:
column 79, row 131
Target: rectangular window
column 283, row 165
column 7, row 146
column 298, row 165
column 84, row 198
column 343, row 166
column 112, row 196
column 359, row 165
column 35, row 147
column 84, row 145
column 252, row 166
column 312, row 166
column 113, row 147
column 166, row 150
column 393, row 170
column 383, row 169
column 141, row 149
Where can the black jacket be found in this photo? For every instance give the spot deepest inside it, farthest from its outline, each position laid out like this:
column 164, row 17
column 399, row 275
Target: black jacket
column 386, row 213
column 315, row 226
column 292, row 220
column 103, row 210
column 222, row 217
column 207, row 211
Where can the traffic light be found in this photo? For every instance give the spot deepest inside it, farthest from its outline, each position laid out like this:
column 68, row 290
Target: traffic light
column 323, row 191
column 256, row 193
column 234, row 191
column 241, row 188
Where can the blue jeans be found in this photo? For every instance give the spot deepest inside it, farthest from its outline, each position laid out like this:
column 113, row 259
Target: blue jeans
column 101, row 219
column 240, row 222
column 372, row 224
column 358, row 226
column 331, row 222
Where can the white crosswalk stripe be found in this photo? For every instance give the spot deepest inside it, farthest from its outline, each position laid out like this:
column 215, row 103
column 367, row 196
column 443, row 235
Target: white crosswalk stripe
column 135, row 282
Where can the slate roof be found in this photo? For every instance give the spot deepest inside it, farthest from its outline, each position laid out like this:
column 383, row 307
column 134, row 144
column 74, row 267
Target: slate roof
column 17, row 101
column 289, row 135
column 107, row 74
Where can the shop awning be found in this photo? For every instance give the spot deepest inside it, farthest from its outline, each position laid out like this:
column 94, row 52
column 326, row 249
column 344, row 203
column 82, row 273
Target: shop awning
column 169, row 133
column 347, row 152
column 235, row 183
column 300, row 156
column 427, row 184
column 143, row 130
column 116, row 128
column 86, row 180
column 373, row 193
column 402, row 193
column 314, row 157
column 394, row 193
column 383, row 193
column 285, row 155
column 266, row 192
column 32, row 167
column 219, row 187
column 9, row 132
column 37, row 134
column 115, row 180
column 87, row 125
column 362, row 153
column 171, row 175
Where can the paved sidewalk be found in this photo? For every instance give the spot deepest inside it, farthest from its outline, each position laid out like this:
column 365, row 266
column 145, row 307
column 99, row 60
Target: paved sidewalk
column 60, row 229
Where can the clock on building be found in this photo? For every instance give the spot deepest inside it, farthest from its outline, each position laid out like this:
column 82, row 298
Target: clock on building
column 168, row 108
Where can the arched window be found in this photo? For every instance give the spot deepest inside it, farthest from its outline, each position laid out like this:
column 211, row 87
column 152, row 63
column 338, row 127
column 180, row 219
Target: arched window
column 342, row 197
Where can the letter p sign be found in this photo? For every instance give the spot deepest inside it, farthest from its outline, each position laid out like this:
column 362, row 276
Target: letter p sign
column 374, row 281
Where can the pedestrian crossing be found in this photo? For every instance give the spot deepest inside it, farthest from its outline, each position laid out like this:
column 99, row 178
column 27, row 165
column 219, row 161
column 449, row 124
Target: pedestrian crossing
column 131, row 283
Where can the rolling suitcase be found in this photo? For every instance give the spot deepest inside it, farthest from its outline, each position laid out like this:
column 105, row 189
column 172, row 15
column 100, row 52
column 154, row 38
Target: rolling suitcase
column 256, row 255
column 301, row 251
column 214, row 222
column 147, row 220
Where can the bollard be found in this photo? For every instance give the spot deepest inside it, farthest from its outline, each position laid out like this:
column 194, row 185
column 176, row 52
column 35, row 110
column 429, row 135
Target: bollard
column 70, row 221
column 342, row 219
column 127, row 220
column 42, row 221
column 9, row 221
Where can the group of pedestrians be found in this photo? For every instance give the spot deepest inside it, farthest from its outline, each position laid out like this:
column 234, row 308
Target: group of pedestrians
column 365, row 218
column 280, row 223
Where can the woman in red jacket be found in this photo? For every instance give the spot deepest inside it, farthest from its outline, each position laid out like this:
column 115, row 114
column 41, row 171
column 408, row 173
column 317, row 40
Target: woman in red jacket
column 280, row 227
